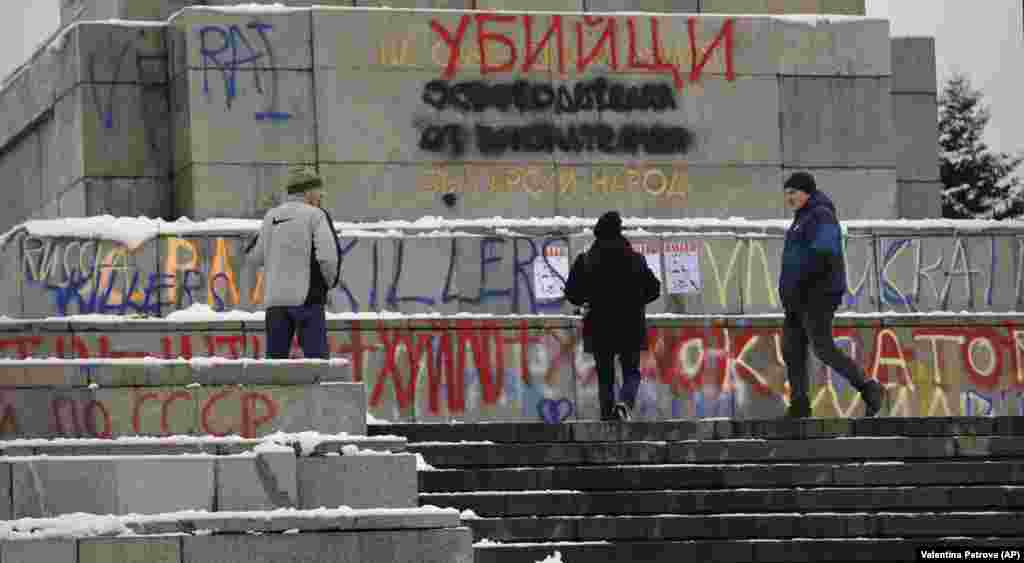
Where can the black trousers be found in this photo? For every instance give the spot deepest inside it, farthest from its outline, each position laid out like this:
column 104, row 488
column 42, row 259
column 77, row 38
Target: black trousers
column 814, row 326
column 605, row 364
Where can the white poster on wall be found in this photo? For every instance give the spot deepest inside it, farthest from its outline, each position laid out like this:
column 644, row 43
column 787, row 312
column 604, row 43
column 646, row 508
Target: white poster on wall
column 550, row 272
column 682, row 261
column 652, row 254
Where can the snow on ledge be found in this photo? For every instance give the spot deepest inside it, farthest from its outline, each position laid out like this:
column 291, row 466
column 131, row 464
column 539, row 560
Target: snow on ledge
column 82, row 525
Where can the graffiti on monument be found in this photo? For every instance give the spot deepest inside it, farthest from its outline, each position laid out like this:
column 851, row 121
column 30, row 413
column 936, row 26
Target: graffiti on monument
column 229, row 49
column 496, row 274
column 483, row 369
column 541, row 104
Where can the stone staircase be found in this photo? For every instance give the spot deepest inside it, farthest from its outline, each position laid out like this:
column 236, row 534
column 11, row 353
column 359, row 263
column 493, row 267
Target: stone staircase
column 727, row 490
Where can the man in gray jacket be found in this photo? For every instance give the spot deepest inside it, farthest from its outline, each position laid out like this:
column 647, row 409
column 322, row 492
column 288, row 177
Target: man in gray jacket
column 301, row 258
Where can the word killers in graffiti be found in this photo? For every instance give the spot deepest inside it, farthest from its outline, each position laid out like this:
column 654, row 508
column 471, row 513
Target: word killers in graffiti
column 496, row 33
column 537, row 180
column 220, row 412
column 90, row 276
column 229, row 49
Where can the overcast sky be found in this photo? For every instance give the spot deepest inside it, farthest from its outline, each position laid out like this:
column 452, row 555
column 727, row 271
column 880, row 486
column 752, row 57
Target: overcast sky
column 982, row 38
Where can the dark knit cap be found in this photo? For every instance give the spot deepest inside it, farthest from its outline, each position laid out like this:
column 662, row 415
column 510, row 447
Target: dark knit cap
column 802, row 181
column 608, row 226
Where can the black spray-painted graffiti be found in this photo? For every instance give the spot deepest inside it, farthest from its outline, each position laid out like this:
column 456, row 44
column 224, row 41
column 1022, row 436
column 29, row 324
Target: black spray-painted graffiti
column 228, row 50
column 599, row 94
column 546, row 136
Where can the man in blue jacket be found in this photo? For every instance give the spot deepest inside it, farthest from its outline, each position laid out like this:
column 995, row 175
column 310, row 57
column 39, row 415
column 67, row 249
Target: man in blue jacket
column 811, row 285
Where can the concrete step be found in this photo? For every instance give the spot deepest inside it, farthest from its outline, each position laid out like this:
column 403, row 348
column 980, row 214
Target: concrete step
column 579, row 503
column 305, row 443
column 410, row 535
column 455, row 455
column 803, row 550
column 815, row 524
column 705, row 429
column 724, row 476
column 272, row 476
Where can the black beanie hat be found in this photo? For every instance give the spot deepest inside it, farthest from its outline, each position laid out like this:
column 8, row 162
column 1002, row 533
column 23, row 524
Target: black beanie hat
column 802, row 181
column 608, row 226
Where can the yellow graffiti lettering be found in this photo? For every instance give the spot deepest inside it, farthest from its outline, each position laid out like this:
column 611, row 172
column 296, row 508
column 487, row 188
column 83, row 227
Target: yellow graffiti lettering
column 567, row 181
column 395, row 51
column 723, row 283
column 660, row 181
column 220, row 268
column 177, row 267
column 900, row 361
column 680, row 182
column 256, row 294
column 934, row 340
column 757, row 247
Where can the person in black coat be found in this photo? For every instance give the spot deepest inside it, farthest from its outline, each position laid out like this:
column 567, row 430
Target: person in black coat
column 615, row 285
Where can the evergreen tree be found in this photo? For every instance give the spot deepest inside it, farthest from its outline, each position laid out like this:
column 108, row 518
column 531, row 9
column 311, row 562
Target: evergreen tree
column 977, row 182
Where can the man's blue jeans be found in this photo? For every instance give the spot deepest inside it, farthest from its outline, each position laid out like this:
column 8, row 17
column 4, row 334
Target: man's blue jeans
column 309, row 321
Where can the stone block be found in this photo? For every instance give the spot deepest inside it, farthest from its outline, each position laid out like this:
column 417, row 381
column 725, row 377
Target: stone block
column 245, row 548
column 721, row 116
column 164, row 411
column 225, row 43
column 11, row 280
column 102, row 53
column 22, row 166
column 359, row 481
column 397, row 545
column 448, row 545
column 125, row 129
column 913, row 65
column 26, row 95
column 63, row 148
column 661, row 6
column 823, row 47
column 245, row 117
column 961, row 281
column 121, row 197
column 5, row 492
column 421, row 4
column 677, row 190
column 404, row 40
column 836, row 122
column 46, row 488
column 850, row 7
column 919, row 200
column 532, row 5
column 915, row 137
column 35, row 551
column 265, row 481
column 204, row 191
column 858, row 193
column 413, row 274
column 166, row 484
column 129, row 550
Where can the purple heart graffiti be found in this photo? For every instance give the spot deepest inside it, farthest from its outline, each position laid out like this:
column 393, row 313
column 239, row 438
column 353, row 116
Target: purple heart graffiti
column 555, row 411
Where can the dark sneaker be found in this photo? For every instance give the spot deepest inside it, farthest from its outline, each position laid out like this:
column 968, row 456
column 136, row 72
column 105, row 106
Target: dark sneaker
column 875, row 396
column 622, row 412
column 799, row 408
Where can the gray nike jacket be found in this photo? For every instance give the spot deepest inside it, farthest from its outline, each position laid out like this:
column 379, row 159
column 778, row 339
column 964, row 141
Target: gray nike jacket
column 300, row 254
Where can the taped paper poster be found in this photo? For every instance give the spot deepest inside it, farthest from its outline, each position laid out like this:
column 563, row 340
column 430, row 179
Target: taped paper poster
column 652, row 254
column 550, row 272
column 682, row 261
